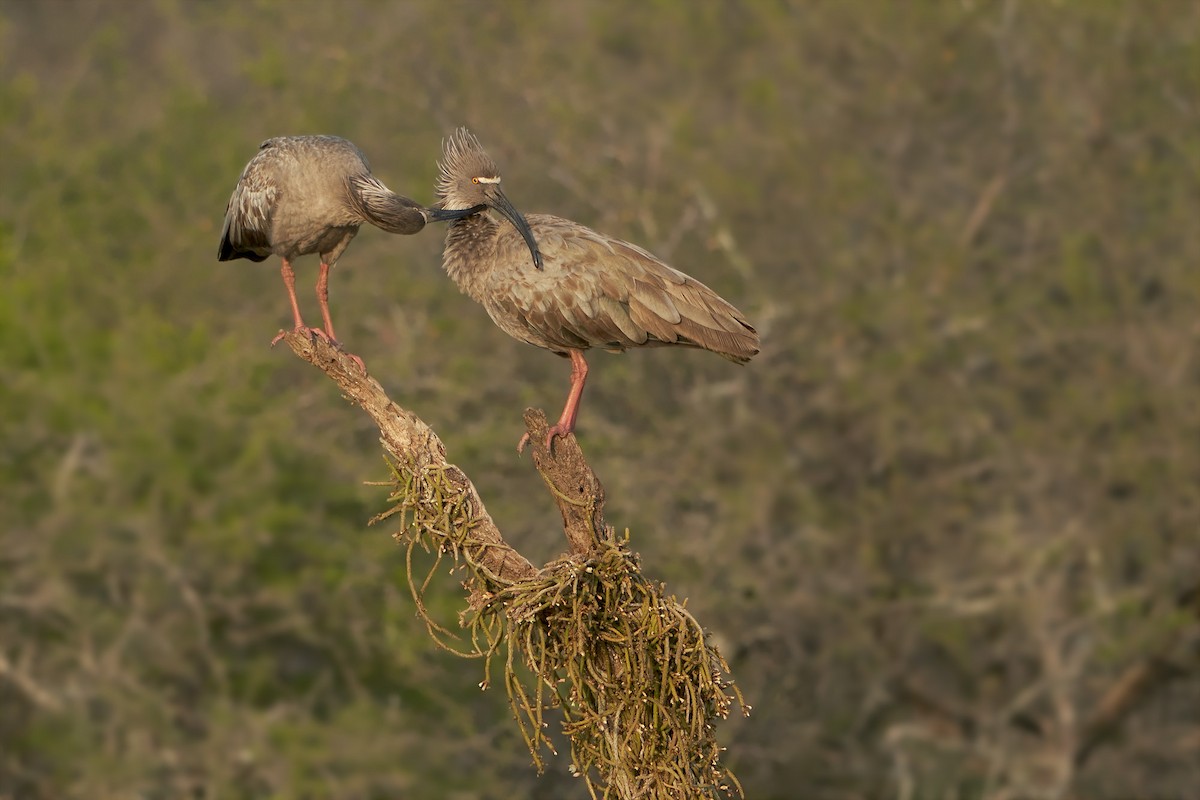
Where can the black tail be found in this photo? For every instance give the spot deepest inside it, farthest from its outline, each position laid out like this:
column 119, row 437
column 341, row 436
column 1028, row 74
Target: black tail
column 227, row 252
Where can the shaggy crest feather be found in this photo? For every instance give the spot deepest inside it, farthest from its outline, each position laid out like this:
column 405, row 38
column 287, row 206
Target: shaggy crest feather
column 463, row 157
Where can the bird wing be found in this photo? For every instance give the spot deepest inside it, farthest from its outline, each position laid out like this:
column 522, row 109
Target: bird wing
column 247, row 229
column 599, row 291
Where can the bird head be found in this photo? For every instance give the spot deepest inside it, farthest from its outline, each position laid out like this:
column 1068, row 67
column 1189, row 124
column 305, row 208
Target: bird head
column 468, row 178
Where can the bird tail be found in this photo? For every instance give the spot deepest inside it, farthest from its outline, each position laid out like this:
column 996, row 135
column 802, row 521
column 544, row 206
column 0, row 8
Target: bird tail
column 228, row 252
column 739, row 346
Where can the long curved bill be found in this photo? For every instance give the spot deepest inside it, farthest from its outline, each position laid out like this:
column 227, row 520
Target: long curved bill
column 442, row 215
column 501, row 204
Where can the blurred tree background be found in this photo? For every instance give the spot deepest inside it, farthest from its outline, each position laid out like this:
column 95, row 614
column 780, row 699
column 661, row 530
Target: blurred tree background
column 951, row 506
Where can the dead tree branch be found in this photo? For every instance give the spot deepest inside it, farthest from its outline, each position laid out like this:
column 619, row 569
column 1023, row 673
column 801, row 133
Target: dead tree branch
column 576, row 489
column 632, row 671
column 406, row 438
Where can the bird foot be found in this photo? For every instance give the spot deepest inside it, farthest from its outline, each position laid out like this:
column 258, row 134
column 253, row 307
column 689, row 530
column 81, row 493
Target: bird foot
column 314, row 332
column 320, row 333
column 557, row 429
column 361, row 366
column 327, row 336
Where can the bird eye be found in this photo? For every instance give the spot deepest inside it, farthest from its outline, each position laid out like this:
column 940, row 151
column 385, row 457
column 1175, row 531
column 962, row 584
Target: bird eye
column 474, row 180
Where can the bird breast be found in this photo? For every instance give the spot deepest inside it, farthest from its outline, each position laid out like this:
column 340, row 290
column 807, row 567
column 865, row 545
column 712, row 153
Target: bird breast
column 568, row 304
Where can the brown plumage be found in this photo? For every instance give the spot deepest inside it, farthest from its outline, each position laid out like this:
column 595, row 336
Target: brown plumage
column 310, row 194
column 592, row 290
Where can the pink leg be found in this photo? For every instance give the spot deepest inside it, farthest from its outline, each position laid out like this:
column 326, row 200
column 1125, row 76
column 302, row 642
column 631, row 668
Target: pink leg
column 323, row 299
column 289, row 280
column 566, row 421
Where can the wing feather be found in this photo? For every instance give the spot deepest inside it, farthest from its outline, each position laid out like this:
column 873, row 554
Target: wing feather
column 617, row 313
column 248, row 215
column 597, row 291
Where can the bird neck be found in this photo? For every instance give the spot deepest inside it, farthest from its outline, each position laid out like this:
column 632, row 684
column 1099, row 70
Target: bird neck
column 383, row 208
column 470, row 250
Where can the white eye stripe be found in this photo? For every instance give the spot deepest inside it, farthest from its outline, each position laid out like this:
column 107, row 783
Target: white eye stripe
column 481, row 179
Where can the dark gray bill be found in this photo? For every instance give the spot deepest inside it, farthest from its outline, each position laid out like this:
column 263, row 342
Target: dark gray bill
column 442, row 215
column 501, row 204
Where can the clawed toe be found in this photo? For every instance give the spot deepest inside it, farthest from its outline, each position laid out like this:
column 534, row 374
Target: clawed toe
column 323, row 335
column 361, row 366
column 315, row 333
column 555, row 430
